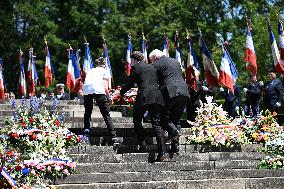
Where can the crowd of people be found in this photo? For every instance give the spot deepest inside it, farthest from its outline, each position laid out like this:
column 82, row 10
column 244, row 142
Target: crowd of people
column 164, row 95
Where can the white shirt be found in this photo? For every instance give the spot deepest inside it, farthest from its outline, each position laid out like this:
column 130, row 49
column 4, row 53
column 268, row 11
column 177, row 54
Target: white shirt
column 94, row 82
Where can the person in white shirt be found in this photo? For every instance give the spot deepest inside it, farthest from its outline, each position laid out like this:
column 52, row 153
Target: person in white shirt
column 96, row 87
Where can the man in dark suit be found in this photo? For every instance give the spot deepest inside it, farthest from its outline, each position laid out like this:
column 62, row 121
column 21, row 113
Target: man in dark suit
column 174, row 91
column 253, row 96
column 61, row 94
column 273, row 92
column 232, row 100
column 149, row 98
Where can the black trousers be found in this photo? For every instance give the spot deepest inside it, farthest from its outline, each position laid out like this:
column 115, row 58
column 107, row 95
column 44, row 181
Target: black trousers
column 230, row 107
column 102, row 103
column 154, row 112
column 170, row 116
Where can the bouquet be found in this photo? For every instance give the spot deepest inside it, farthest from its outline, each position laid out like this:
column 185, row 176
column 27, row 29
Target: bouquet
column 36, row 140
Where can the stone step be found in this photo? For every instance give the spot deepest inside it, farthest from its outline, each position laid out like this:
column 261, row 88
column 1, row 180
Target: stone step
column 122, row 149
column 117, row 177
column 69, row 114
column 183, row 157
column 239, row 183
column 164, row 166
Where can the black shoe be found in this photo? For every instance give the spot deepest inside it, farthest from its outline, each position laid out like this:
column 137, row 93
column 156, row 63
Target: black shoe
column 142, row 149
column 115, row 141
column 160, row 158
column 174, row 150
column 172, row 137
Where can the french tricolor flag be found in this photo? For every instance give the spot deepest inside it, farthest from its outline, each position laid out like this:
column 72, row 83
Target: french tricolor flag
column 108, row 66
column 228, row 72
column 281, row 41
column 250, row 56
column 178, row 54
column 48, row 69
column 73, row 74
column 128, row 56
column 88, row 62
column 144, row 48
column 22, row 90
column 32, row 73
column 2, row 90
column 192, row 68
column 211, row 71
column 275, row 52
column 166, row 46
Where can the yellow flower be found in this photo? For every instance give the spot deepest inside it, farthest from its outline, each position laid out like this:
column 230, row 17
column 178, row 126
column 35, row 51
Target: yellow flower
column 254, row 135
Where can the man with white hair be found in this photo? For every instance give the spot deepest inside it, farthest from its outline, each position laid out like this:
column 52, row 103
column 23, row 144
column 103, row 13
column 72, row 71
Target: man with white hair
column 174, row 91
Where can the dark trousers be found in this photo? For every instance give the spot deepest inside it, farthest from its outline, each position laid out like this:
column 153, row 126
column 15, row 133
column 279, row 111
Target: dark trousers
column 102, row 103
column 170, row 116
column 230, row 107
column 191, row 106
column 154, row 112
column 252, row 110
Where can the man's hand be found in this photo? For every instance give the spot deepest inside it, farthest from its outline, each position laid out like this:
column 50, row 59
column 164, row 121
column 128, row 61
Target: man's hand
column 278, row 104
column 204, row 88
column 245, row 90
column 261, row 83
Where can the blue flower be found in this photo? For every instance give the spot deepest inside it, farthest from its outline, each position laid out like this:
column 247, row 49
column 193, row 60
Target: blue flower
column 25, row 171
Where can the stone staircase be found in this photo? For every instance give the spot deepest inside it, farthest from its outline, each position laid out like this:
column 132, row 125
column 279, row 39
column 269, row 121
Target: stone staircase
column 196, row 167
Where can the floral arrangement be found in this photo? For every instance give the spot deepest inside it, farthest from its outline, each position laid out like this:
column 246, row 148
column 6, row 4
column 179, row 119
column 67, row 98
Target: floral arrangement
column 35, row 142
column 128, row 98
column 275, row 153
column 262, row 128
column 212, row 126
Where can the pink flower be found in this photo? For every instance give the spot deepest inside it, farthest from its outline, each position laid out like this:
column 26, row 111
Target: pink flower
column 71, row 164
column 65, row 171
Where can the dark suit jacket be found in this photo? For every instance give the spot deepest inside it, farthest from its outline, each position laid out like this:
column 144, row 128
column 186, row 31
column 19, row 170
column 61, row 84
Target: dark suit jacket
column 273, row 92
column 171, row 82
column 145, row 76
column 253, row 94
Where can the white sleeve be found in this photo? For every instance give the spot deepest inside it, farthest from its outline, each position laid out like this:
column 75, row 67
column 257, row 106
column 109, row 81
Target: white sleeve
column 106, row 74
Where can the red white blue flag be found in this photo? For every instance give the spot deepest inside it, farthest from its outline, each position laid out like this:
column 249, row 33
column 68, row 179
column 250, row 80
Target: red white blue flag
column 73, row 80
column 211, row 71
column 192, row 68
column 32, row 73
column 88, row 61
column 144, row 48
column 178, row 52
column 48, row 69
column 250, row 56
column 22, row 90
column 275, row 52
column 128, row 56
column 108, row 66
column 281, row 41
column 2, row 89
column 166, row 46
column 228, row 71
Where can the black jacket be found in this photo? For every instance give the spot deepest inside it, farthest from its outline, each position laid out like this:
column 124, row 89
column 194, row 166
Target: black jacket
column 273, row 92
column 145, row 76
column 253, row 93
column 171, row 82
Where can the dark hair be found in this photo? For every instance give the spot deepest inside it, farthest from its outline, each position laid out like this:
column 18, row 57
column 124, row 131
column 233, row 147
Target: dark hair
column 100, row 62
column 137, row 55
column 251, row 74
column 272, row 70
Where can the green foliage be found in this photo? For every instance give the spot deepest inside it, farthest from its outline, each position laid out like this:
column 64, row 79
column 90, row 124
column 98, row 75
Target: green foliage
column 27, row 23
